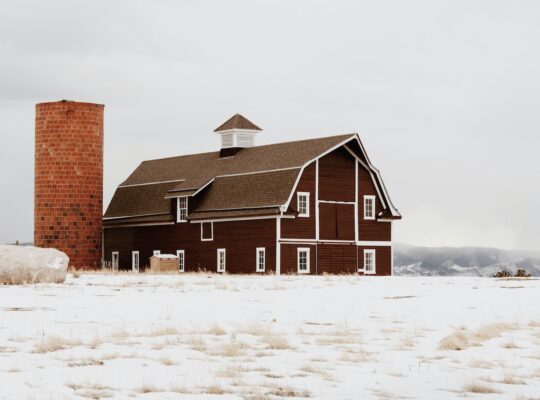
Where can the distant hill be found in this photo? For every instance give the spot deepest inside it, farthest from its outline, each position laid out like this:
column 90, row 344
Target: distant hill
column 461, row 261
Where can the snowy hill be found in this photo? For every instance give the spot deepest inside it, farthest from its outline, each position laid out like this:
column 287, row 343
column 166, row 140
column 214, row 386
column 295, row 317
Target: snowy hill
column 464, row 261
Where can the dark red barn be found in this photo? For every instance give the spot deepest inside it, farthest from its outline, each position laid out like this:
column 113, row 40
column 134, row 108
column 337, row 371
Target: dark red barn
column 306, row 207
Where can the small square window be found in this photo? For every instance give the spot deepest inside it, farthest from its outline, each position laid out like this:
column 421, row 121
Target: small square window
column 303, row 204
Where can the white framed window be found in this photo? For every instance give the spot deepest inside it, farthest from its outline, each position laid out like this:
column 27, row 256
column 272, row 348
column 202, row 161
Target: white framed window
column 181, row 254
column 181, row 209
column 370, row 266
column 156, row 252
column 221, row 260
column 207, row 236
column 260, row 260
column 135, row 261
column 115, row 257
column 302, row 199
column 369, row 207
column 303, row 260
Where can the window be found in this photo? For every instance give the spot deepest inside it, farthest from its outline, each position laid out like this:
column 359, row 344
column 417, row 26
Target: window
column 182, row 209
column 369, row 262
column 207, row 231
column 303, row 260
column 157, row 252
column 260, row 260
column 369, row 207
column 115, row 257
column 303, row 204
column 221, row 260
column 181, row 260
column 135, row 261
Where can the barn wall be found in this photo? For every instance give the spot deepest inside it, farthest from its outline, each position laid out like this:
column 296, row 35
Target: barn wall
column 383, row 257
column 239, row 238
column 289, row 252
column 336, row 176
column 336, row 258
column 370, row 229
column 302, row 227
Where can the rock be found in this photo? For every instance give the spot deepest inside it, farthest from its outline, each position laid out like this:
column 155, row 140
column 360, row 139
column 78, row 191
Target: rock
column 28, row 264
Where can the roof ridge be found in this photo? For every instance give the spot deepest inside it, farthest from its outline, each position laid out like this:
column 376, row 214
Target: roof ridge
column 254, row 147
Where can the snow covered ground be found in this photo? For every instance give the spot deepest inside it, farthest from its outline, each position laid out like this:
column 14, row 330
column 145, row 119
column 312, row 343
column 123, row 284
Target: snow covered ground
column 206, row 336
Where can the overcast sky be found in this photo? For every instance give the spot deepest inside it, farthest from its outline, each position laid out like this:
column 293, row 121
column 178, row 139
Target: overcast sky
column 444, row 95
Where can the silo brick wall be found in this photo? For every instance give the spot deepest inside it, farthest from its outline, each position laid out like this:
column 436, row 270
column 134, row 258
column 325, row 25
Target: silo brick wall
column 68, row 193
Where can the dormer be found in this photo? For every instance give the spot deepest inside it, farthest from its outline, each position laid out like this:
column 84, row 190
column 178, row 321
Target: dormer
column 237, row 133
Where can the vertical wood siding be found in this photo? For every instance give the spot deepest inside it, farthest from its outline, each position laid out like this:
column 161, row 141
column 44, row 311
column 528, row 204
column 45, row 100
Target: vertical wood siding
column 289, row 254
column 383, row 257
column 336, row 258
column 239, row 238
column 370, row 229
column 336, row 176
column 302, row 227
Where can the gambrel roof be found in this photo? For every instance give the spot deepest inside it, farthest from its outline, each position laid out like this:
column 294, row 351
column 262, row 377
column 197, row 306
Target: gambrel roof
column 255, row 181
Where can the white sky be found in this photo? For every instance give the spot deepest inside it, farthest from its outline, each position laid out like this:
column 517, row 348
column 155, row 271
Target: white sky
column 445, row 95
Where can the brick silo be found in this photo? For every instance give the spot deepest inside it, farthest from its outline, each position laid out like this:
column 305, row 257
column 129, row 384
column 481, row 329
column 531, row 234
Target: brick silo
column 68, row 192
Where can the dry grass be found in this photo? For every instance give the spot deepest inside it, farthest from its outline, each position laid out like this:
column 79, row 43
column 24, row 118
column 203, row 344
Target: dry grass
column 462, row 338
column 216, row 330
column 196, row 343
column 214, row 389
column 285, row 391
column 506, row 379
column 166, row 361
column 148, row 388
column 26, row 276
column 55, row 343
column 233, row 348
column 164, row 331
column 478, row 387
column 276, row 342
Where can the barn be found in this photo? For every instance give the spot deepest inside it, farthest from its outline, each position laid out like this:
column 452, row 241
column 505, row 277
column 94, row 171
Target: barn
column 314, row 207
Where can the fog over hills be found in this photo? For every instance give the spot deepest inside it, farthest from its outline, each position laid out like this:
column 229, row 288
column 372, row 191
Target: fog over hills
column 465, row 261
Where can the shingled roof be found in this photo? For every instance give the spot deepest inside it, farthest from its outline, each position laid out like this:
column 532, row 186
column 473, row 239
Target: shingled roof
column 256, row 181
column 237, row 121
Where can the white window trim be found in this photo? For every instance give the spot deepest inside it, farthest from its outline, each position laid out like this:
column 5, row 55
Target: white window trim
column 156, row 252
column 183, row 252
column 211, row 230
column 178, row 209
column 257, row 265
column 224, row 252
column 133, row 253
column 115, row 266
column 298, row 195
column 299, row 250
column 374, row 255
column 372, row 216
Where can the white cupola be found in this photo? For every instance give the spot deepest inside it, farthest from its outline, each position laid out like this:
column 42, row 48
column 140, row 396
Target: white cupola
column 237, row 133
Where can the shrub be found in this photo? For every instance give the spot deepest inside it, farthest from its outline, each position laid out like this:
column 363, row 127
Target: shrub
column 521, row 273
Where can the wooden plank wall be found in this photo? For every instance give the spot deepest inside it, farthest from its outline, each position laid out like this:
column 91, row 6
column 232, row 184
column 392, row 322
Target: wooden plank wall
column 239, row 238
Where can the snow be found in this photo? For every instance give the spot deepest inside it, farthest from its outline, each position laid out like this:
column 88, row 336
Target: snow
column 199, row 336
column 21, row 264
column 165, row 256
